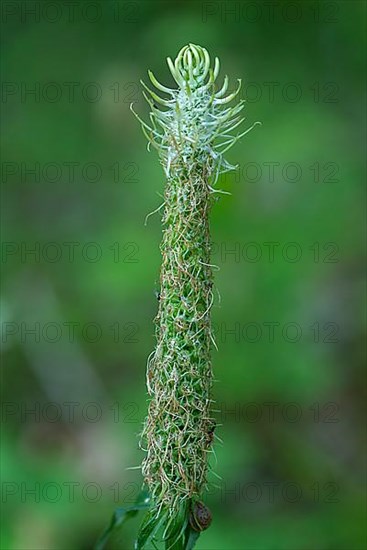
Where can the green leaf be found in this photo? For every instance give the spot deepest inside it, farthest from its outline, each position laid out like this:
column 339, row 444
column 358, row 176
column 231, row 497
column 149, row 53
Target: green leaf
column 121, row 515
column 149, row 528
column 180, row 534
column 192, row 539
column 174, row 533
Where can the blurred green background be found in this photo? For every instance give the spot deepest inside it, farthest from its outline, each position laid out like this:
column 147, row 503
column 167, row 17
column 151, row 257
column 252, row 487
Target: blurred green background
column 291, row 403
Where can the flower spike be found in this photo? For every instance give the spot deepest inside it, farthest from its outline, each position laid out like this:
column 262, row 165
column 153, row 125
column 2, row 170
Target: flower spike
column 191, row 129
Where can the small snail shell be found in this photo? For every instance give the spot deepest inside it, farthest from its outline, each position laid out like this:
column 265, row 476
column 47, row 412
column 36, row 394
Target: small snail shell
column 200, row 516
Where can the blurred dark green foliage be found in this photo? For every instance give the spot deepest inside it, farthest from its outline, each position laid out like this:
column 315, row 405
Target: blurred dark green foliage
column 325, row 59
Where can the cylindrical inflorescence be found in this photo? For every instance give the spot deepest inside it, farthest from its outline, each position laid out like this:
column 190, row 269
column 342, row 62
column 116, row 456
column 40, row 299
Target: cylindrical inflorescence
column 179, row 374
column 191, row 129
